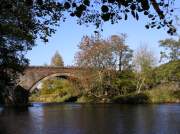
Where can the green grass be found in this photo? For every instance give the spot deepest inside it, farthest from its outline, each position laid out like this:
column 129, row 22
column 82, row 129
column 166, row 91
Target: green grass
column 49, row 98
column 162, row 94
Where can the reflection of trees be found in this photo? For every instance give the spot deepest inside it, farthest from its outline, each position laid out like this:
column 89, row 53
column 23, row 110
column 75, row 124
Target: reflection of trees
column 3, row 128
column 90, row 119
column 20, row 121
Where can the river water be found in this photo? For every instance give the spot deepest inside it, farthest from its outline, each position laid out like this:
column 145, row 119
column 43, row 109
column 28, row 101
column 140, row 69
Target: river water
column 91, row 119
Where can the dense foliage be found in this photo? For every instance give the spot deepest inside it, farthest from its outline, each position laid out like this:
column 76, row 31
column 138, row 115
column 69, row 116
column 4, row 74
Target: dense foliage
column 54, row 90
column 21, row 23
column 169, row 72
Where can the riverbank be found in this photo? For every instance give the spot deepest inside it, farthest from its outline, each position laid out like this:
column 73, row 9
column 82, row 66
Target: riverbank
column 49, row 98
column 145, row 97
column 162, row 94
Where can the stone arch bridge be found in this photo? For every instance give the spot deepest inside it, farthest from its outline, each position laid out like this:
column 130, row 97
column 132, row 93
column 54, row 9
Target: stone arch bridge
column 34, row 74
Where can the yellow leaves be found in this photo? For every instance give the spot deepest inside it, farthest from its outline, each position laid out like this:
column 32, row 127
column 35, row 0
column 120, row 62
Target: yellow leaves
column 57, row 60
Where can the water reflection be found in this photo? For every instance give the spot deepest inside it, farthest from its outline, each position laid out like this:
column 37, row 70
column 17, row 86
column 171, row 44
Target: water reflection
column 1, row 109
column 91, row 119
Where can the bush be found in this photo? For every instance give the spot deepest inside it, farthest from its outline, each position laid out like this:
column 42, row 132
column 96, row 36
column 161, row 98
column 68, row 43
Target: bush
column 165, row 93
column 134, row 98
column 125, row 82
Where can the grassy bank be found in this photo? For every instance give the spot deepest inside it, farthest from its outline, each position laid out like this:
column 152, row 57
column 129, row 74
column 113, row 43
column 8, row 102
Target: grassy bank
column 67, row 98
column 160, row 94
column 49, row 98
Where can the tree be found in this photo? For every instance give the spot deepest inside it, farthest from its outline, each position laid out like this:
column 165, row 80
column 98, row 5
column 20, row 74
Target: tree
column 125, row 82
column 144, row 62
column 57, row 60
column 99, row 53
column 95, row 53
column 104, row 56
column 123, row 54
column 21, row 23
column 171, row 49
column 144, row 59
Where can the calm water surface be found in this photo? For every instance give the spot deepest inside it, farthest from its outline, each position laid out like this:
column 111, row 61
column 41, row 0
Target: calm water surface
column 91, row 119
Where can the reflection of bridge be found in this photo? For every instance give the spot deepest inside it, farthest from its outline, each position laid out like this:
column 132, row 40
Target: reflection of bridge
column 34, row 74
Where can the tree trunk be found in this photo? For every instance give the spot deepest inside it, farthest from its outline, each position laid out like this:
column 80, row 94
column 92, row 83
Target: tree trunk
column 139, row 88
column 120, row 61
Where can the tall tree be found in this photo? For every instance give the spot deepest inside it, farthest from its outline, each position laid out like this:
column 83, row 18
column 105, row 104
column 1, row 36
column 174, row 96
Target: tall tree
column 21, row 23
column 144, row 61
column 99, row 53
column 123, row 54
column 95, row 52
column 171, row 50
column 57, row 60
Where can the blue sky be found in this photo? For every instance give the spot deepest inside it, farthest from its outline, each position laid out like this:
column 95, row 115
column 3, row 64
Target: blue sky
column 69, row 35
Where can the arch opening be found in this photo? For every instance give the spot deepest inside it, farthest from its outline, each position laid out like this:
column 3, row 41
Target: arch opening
column 55, row 88
column 58, row 75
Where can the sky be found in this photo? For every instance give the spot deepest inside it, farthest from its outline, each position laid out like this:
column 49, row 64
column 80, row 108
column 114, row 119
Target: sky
column 69, row 35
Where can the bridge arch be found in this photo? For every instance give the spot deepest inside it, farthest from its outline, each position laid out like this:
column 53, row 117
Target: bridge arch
column 63, row 75
column 32, row 75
